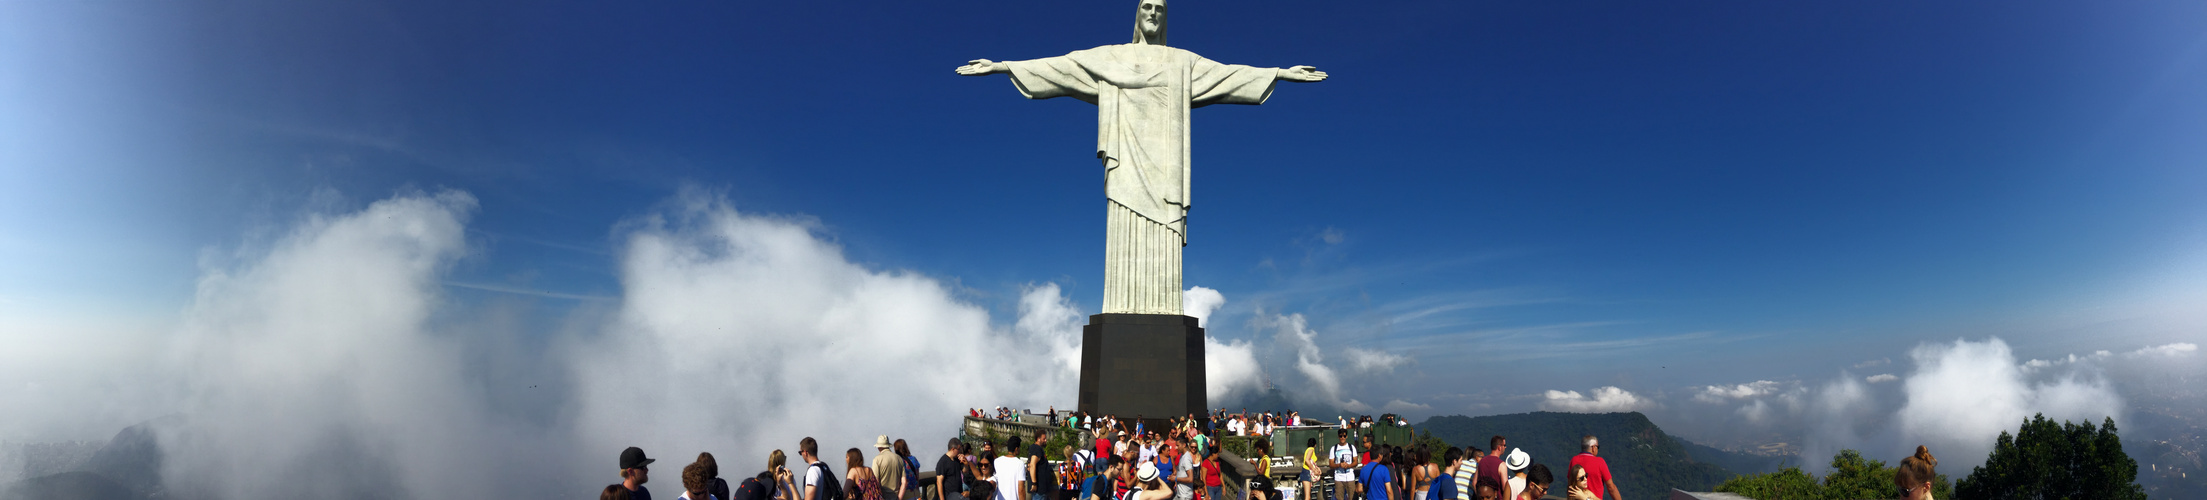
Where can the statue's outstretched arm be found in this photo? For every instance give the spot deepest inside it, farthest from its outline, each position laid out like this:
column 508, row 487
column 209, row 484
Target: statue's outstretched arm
column 979, row 67
column 1294, row 74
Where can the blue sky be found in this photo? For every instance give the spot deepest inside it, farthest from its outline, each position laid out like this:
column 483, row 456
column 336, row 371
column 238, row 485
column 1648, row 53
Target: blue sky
column 1566, row 195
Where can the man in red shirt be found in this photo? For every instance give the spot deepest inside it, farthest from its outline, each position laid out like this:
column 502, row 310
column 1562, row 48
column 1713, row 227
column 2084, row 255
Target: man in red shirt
column 1597, row 470
column 1490, row 467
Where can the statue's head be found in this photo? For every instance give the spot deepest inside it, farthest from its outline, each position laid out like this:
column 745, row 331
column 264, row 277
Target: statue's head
column 1149, row 22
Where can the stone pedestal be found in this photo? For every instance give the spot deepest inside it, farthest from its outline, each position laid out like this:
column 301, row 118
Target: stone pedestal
column 1146, row 365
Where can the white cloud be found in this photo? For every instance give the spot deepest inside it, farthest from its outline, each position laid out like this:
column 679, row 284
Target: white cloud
column 1293, row 333
column 1366, row 360
column 317, row 361
column 1881, row 378
column 1604, row 400
column 2167, row 350
column 1874, row 362
column 1964, row 393
column 1198, row 302
column 1400, row 406
column 1750, row 390
column 746, row 332
column 1230, row 369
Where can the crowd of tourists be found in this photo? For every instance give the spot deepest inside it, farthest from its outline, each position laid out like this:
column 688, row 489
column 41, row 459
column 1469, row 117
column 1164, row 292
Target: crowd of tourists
column 1128, row 460
column 1179, row 459
column 1365, row 471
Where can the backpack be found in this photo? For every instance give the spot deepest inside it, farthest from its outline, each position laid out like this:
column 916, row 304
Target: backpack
column 911, row 473
column 830, row 487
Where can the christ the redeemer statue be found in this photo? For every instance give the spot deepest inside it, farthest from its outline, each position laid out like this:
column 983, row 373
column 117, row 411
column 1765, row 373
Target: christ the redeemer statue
column 1142, row 92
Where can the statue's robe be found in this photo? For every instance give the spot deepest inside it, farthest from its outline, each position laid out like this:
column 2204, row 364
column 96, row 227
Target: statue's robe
column 1142, row 95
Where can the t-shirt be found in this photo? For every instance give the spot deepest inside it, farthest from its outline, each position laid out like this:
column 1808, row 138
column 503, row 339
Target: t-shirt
column 1046, row 479
column 812, row 474
column 1597, row 472
column 1149, row 453
column 640, row 493
column 1466, row 473
column 953, row 472
column 1377, row 485
column 1443, row 490
column 1186, row 465
column 1009, row 472
column 1344, row 453
column 1211, row 476
column 1491, row 467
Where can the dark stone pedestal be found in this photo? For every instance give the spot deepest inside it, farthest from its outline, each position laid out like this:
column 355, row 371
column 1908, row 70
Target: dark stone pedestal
column 1146, row 365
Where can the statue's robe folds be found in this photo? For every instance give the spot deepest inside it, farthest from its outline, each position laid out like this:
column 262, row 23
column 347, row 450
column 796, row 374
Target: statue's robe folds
column 1142, row 95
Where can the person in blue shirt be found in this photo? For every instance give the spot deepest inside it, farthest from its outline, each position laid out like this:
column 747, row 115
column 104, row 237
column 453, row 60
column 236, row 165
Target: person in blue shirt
column 1377, row 479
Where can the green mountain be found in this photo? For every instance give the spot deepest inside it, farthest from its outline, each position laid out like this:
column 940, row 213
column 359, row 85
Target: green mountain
column 1645, row 462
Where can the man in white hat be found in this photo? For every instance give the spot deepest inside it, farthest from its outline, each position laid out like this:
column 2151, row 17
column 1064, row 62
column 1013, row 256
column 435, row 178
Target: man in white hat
column 888, row 468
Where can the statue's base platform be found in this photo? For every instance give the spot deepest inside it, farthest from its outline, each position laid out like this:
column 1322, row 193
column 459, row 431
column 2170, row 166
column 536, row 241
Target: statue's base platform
column 1147, row 366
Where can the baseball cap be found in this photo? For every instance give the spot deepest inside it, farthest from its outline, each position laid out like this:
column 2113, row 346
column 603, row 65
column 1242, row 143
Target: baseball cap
column 633, row 457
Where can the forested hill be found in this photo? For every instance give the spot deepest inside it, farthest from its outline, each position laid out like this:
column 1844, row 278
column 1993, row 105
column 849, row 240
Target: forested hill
column 1646, row 462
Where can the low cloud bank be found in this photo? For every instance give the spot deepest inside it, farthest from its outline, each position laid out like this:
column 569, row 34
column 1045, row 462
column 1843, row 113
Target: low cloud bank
column 1955, row 397
column 328, row 362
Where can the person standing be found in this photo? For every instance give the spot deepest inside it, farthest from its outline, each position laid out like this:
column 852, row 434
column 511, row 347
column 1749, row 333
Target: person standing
column 1467, row 472
column 1185, row 464
column 1915, row 474
column 1308, row 478
column 1377, row 480
column 714, row 485
column 911, row 470
column 1344, row 466
column 1598, row 479
column 1517, row 462
column 1445, row 487
column 864, row 485
column 1041, row 478
column 694, row 482
column 820, row 482
column 1491, row 466
column 950, row 473
column 1011, row 472
column 1213, row 478
column 1537, row 479
column 888, row 468
column 635, row 471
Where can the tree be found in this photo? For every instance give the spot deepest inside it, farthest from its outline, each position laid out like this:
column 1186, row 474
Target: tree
column 1852, row 477
column 1855, row 477
column 2044, row 460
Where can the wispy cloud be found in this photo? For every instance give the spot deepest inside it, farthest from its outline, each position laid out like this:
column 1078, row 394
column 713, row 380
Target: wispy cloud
column 526, row 291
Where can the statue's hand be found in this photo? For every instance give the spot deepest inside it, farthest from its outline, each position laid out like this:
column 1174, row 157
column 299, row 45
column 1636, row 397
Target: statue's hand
column 978, row 67
column 1302, row 74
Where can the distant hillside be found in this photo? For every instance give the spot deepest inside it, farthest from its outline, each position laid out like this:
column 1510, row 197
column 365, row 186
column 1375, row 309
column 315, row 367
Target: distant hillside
column 1646, row 462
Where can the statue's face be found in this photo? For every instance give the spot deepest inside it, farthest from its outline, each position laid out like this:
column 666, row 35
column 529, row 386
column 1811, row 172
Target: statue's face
column 1152, row 16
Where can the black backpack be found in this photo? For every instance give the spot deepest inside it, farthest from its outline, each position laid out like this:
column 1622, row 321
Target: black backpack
column 830, row 487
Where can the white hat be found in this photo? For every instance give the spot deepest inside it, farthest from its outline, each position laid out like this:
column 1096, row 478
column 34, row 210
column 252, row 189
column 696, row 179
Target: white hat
column 1519, row 459
column 881, row 442
column 1147, row 472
